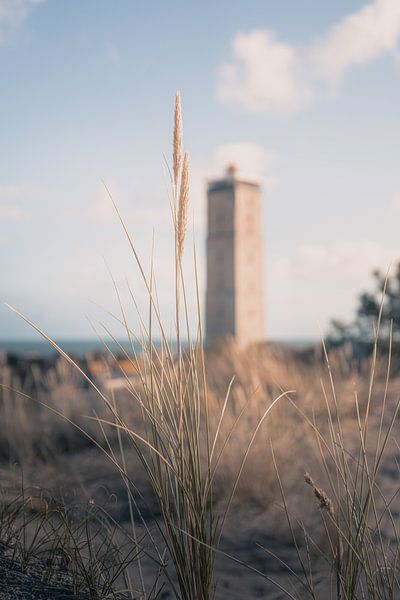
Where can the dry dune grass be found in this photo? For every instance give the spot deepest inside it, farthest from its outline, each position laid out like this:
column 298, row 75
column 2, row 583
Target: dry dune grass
column 259, row 375
column 39, row 436
column 201, row 441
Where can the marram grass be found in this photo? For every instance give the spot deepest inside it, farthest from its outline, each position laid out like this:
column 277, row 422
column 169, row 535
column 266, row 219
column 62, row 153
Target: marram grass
column 186, row 432
column 178, row 451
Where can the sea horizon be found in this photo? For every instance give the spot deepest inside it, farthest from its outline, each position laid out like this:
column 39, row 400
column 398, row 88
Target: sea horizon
column 80, row 347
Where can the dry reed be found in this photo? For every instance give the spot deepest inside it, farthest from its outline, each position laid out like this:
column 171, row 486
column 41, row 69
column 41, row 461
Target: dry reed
column 183, row 208
column 177, row 142
column 193, row 429
column 175, row 443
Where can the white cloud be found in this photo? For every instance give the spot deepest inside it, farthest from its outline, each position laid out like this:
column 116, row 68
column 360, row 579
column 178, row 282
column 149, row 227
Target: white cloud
column 342, row 260
column 12, row 14
column 98, row 208
column 318, row 282
column 266, row 75
column 269, row 76
column 357, row 39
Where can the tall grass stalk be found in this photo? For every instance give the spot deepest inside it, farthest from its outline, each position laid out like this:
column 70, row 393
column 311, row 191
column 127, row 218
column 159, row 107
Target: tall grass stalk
column 174, row 441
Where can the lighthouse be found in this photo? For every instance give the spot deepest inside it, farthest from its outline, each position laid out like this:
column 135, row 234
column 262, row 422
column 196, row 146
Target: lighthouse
column 234, row 296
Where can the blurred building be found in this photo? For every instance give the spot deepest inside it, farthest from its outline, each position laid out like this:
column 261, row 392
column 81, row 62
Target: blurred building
column 234, row 298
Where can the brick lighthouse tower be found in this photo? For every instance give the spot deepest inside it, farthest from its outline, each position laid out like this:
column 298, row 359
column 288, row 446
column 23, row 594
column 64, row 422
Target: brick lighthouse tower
column 234, row 299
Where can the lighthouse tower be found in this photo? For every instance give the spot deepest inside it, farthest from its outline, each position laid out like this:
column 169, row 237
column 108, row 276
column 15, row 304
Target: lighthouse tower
column 234, row 298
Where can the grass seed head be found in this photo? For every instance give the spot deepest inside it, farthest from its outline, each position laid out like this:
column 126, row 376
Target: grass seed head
column 183, row 207
column 324, row 501
column 177, row 140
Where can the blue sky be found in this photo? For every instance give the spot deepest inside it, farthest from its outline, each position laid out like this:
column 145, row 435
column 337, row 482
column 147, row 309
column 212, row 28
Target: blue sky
column 302, row 95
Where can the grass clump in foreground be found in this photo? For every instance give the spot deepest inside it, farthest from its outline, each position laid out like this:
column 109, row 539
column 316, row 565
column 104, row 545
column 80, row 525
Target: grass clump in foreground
column 186, row 435
column 180, row 450
column 356, row 555
column 70, row 550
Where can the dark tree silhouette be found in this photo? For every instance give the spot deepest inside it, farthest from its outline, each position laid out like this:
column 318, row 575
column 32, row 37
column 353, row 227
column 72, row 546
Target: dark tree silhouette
column 360, row 332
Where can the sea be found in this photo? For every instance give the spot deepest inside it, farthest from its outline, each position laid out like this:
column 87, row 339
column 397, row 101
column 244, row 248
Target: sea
column 80, row 348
